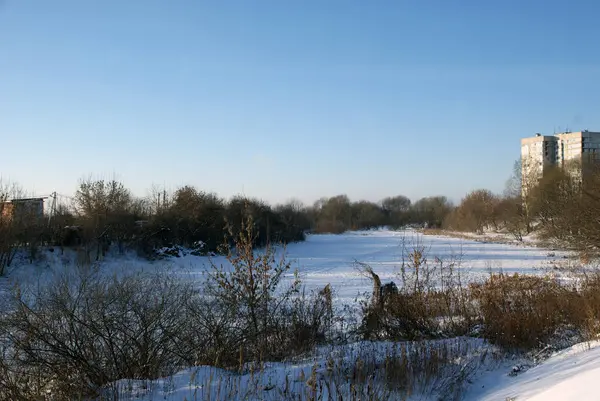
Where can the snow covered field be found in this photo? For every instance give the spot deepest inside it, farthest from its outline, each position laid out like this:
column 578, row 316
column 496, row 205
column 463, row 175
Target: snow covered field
column 324, row 259
column 331, row 259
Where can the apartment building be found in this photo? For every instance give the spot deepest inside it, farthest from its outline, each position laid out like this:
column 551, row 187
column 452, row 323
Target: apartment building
column 579, row 146
column 537, row 154
column 543, row 151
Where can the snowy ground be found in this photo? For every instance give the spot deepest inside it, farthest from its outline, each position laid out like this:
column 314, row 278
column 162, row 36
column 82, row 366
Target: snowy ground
column 569, row 375
column 331, row 259
column 324, row 259
column 281, row 381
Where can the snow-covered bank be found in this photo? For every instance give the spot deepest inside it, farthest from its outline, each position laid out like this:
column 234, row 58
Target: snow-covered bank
column 356, row 371
column 569, row 375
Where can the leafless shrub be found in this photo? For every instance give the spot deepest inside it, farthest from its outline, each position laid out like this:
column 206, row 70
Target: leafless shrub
column 84, row 331
column 249, row 289
column 253, row 316
column 310, row 321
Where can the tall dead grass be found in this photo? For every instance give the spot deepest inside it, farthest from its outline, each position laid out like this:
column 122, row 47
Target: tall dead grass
column 431, row 301
column 371, row 371
column 516, row 312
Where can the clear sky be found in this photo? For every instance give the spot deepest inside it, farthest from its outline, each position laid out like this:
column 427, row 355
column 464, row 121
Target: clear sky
column 280, row 99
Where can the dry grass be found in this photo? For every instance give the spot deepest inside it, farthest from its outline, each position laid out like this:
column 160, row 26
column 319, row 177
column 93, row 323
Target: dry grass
column 371, row 371
column 526, row 312
column 516, row 312
column 432, row 300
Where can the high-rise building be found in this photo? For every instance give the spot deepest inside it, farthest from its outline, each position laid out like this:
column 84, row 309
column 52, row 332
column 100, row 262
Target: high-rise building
column 543, row 151
column 580, row 146
column 537, row 154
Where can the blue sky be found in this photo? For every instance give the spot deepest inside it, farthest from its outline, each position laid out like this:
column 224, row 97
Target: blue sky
column 280, row 99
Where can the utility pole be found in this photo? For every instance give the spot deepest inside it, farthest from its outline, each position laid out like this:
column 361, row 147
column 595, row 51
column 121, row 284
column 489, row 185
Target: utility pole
column 52, row 207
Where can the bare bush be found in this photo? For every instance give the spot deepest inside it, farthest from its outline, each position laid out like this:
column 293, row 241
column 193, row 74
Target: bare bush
column 254, row 316
column 84, row 331
column 311, row 323
column 106, row 214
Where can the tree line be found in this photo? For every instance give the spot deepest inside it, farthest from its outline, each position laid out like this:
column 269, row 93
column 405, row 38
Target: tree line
column 105, row 213
column 560, row 204
column 560, row 207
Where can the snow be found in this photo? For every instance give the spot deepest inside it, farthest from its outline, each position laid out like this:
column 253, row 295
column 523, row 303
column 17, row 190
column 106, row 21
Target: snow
column 271, row 382
column 330, row 258
column 569, row 375
column 324, row 259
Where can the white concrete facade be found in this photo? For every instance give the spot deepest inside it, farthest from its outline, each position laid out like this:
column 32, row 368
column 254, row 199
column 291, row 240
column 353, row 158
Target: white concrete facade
column 537, row 154
column 543, row 151
column 578, row 146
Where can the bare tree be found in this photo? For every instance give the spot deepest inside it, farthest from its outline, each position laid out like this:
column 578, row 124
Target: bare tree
column 394, row 204
column 431, row 211
column 104, row 206
column 396, row 209
column 20, row 225
column 476, row 211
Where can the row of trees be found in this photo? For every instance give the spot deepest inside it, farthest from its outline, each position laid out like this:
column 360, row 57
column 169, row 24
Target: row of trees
column 561, row 204
column 561, row 207
column 108, row 213
column 105, row 213
column 339, row 214
column 565, row 205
